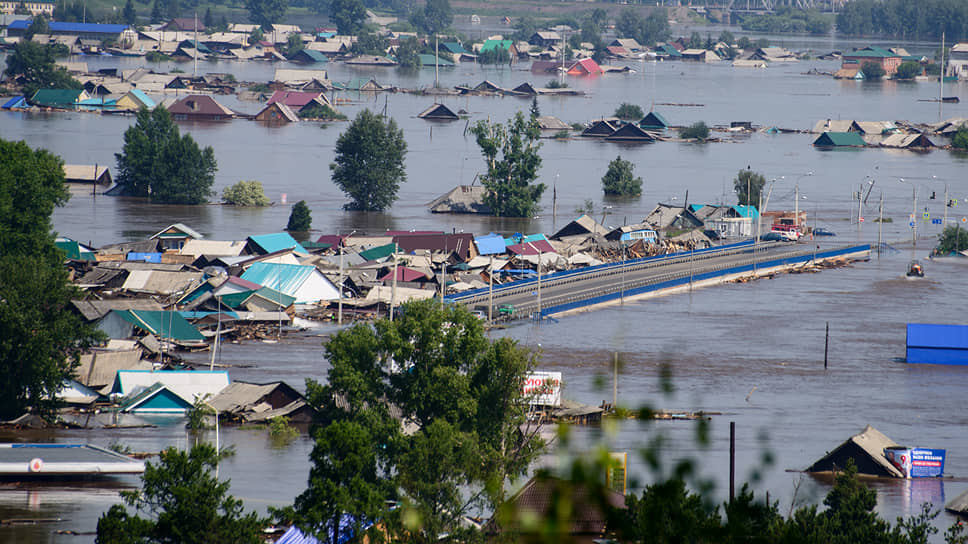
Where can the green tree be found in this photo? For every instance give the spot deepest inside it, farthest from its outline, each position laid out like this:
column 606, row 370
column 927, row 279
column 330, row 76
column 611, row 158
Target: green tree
column 37, row 65
column 129, row 15
column 695, row 41
column 369, row 164
column 159, row 163
column 172, row 8
column 245, row 193
column 727, row 37
column 38, row 25
column 511, row 154
column 872, row 70
column 408, row 54
column 266, row 12
column 620, row 180
column 748, row 185
column 157, row 13
column 347, row 15
column 629, row 112
column 696, row 131
column 300, row 220
column 960, row 139
column 460, row 395
column 368, row 43
column 294, row 44
column 207, row 20
column 181, row 501
column 435, row 17
column 40, row 337
column 953, row 239
column 524, row 28
column 256, row 35
column 908, row 70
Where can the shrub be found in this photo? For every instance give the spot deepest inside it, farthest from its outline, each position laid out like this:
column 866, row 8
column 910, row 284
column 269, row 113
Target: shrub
column 952, row 239
column 561, row 135
column 697, row 131
column 260, row 88
column 300, row 219
column 908, row 70
column 555, row 84
column 872, row 70
column 960, row 140
column 629, row 112
column 245, row 193
column 321, row 111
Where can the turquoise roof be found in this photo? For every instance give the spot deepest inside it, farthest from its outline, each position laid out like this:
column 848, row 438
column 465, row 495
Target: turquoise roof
column 162, row 324
column 455, row 48
column 654, row 119
column 285, row 278
column 156, row 399
column 747, row 211
column 143, row 98
column 525, row 239
column 428, row 60
column 872, row 52
column 495, row 44
column 316, row 56
column 57, row 97
column 279, row 241
column 839, row 139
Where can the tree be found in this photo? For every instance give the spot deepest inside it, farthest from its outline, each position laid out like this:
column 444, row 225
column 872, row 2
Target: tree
column 368, row 43
column 524, row 28
column 434, row 18
column 207, row 20
column 408, row 54
column 183, row 502
column 535, row 110
column 266, row 12
column 695, row 41
column 245, row 193
column 158, row 163
column 38, row 25
column 157, row 13
column 872, row 70
column 172, row 8
column 369, row 162
column 727, row 37
column 953, row 239
column 629, row 112
column 37, row 65
column 511, row 153
column 960, row 139
column 347, row 15
column 908, row 70
column 748, row 185
column 41, row 338
column 300, row 219
column 620, row 180
column 461, row 396
column 294, row 44
column 129, row 15
column 697, row 131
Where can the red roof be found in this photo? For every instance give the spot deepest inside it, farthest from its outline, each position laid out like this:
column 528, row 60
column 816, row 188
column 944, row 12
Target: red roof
column 293, row 99
column 410, row 232
column 200, row 105
column 531, row 248
column 332, row 239
column 404, row 274
column 585, row 66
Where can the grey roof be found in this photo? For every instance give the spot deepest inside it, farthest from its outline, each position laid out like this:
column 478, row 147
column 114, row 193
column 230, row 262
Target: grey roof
column 161, row 282
column 866, row 448
column 100, row 276
column 258, row 402
column 552, row 123
column 836, row 125
column 85, row 172
column 92, row 310
column 65, row 459
column 99, row 368
column 582, row 225
column 461, row 199
column 959, row 504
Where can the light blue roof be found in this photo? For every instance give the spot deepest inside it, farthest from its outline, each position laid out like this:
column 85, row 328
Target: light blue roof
column 277, row 242
column 15, row 102
column 285, row 278
column 524, row 239
column 747, row 211
column 143, row 98
column 490, row 244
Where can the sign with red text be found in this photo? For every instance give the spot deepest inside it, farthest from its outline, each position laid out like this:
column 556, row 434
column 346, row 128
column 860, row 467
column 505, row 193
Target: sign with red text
column 543, row 388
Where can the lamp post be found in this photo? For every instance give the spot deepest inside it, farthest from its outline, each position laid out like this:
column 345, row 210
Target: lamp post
column 796, row 212
column 914, row 211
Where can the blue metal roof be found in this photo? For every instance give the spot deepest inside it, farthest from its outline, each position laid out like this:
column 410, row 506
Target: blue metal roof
column 277, row 242
column 15, row 102
column 937, row 344
column 346, row 528
column 143, row 98
column 76, row 28
column 490, row 244
column 285, row 278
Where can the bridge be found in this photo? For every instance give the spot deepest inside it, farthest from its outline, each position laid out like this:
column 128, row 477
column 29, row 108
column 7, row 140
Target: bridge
column 573, row 289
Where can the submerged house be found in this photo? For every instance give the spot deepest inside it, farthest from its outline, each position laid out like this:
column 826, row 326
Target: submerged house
column 304, row 283
column 654, row 121
column 256, row 402
column 87, row 173
column 438, row 112
column 299, row 101
column 277, row 113
column 462, row 199
column 866, row 448
column 59, row 98
column 840, row 139
column 908, row 141
column 630, row 133
column 200, row 107
column 602, row 128
column 166, row 391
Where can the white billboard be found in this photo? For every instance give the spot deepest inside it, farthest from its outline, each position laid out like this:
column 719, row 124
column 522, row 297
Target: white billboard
column 543, row 388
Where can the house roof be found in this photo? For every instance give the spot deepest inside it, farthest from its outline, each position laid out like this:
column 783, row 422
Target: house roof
column 156, row 398
column 199, row 104
column 871, row 52
column 839, row 139
column 836, row 125
column 458, row 243
column 428, row 60
column 531, row 247
column 160, row 282
column 72, row 28
column 461, row 199
column 588, row 66
column 285, row 113
column 239, row 396
column 490, row 244
column 547, row 122
column 866, row 448
column 295, row 99
column 631, row 132
column 602, row 128
column 305, row 283
column 404, row 273
column 99, row 368
column 454, row 48
column 185, row 23
column 58, row 97
column 438, row 112
column 489, row 45
column 164, row 324
column 584, row 224
column 654, row 119
column 187, row 384
column 310, row 55
column 92, row 310
column 292, row 76
column 181, row 231
column 215, row 248
column 270, row 243
column 17, row 102
column 84, row 172
column 666, row 49
column 907, row 140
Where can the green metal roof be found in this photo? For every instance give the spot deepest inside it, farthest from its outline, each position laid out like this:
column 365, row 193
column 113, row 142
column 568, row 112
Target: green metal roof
column 270, row 243
column 494, row 44
column 379, row 252
column 839, row 139
column 73, row 251
column 162, row 324
column 428, row 60
column 57, row 97
column 872, row 52
column 455, row 48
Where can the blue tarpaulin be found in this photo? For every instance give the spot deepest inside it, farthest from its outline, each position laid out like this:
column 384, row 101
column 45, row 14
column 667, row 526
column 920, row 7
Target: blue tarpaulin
column 490, row 244
column 937, row 344
column 146, row 257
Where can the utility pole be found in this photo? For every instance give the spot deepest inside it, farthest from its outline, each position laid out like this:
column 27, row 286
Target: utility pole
column 490, row 292
column 539, row 284
column 339, row 313
column 195, row 54
column 880, row 224
column 436, row 62
column 393, row 290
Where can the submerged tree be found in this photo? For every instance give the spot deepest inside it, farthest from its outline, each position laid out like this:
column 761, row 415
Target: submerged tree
column 629, row 111
column 953, row 239
column 37, row 65
column 159, row 163
column 266, row 12
column 41, row 338
column 300, row 219
column 620, row 179
column 460, row 396
column 181, row 501
column 347, row 15
column 369, row 162
column 245, row 193
column 511, row 153
column 748, row 185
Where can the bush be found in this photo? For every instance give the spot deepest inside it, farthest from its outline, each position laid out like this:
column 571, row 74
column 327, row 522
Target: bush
column 960, row 140
column 872, row 70
column 696, row 131
column 908, row 70
column 629, row 112
column 245, row 193
column 300, row 219
column 321, row 111
column 260, row 88
column 562, row 135
column 951, row 240
column 555, row 84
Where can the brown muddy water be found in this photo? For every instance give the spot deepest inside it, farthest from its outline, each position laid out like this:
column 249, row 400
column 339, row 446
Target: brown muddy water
column 751, row 351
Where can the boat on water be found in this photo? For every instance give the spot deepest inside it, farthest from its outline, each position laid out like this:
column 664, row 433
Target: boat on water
column 915, row 270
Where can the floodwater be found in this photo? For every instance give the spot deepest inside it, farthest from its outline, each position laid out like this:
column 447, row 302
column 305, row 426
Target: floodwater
column 753, row 352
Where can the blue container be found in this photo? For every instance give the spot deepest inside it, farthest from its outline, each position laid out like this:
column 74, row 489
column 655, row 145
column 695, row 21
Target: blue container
column 937, row 344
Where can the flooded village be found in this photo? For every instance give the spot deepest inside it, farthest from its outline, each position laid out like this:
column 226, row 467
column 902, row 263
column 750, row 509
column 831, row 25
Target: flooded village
column 789, row 316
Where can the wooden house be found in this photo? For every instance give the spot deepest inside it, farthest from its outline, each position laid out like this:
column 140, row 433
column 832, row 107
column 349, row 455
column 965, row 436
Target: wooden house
column 438, row 112
column 601, row 128
column 199, row 107
column 631, row 132
column 87, row 173
column 277, row 113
